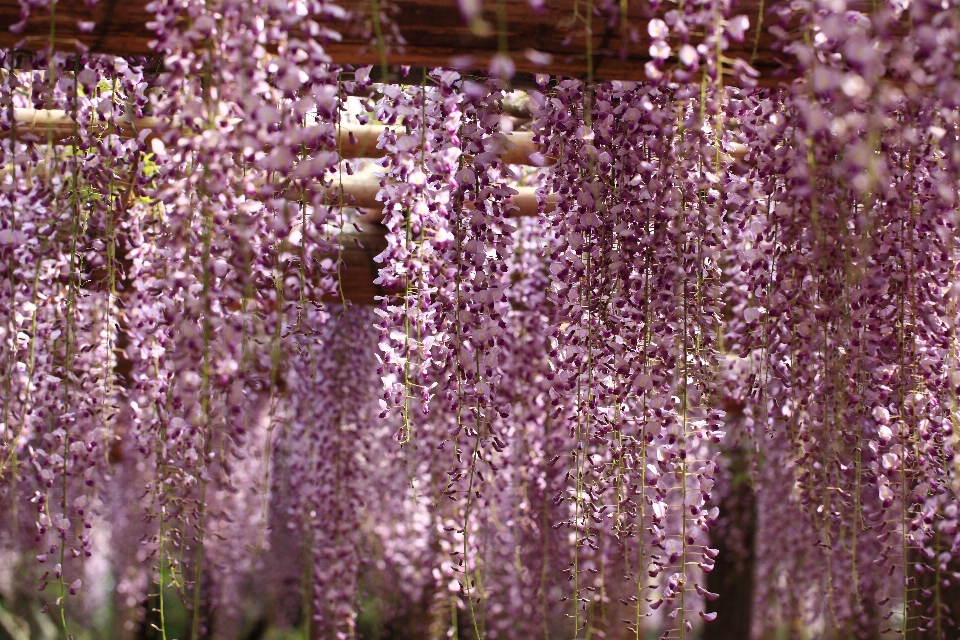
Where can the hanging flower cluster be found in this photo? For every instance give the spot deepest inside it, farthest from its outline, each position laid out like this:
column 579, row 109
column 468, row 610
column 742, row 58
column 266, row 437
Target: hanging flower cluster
column 636, row 276
column 848, row 318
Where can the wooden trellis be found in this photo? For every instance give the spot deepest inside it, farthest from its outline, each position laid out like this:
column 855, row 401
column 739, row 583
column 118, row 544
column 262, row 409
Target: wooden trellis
column 435, row 35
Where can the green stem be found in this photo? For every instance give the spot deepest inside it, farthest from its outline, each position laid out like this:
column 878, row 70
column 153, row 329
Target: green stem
column 378, row 33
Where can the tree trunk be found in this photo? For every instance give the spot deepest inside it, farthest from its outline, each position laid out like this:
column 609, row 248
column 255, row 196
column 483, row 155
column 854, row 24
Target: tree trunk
column 732, row 575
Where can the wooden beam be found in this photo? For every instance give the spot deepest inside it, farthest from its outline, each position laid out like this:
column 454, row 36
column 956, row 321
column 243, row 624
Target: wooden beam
column 435, row 35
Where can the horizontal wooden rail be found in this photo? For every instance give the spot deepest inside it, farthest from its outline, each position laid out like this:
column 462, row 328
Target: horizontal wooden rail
column 357, row 141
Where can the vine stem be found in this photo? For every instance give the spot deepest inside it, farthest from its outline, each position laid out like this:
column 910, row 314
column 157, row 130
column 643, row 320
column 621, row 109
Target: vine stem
column 378, row 33
column 466, row 524
column 8, row 382
column 207, row 239
column 69, row 311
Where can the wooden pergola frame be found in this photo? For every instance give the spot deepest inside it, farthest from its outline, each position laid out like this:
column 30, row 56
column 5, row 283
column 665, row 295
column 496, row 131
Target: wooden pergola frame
column 435, row 34
column 361, row 241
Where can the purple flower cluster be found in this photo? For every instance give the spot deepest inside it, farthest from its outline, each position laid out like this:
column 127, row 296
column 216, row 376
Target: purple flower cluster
column 527, row 434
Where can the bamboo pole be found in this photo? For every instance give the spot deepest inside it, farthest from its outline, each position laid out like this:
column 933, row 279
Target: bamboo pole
column 356, row 140
column 361, row 190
